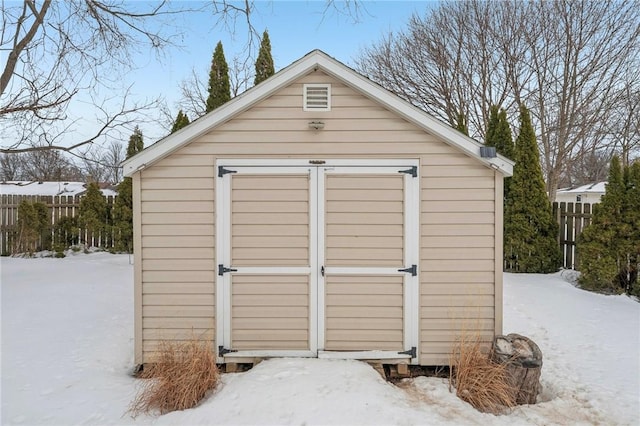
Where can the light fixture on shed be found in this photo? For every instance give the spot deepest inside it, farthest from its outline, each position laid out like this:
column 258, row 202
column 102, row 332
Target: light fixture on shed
column 488, row 152
column 316, row 125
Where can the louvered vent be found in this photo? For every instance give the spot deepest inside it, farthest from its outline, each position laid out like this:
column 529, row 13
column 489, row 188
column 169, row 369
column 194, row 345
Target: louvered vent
column 317, row 97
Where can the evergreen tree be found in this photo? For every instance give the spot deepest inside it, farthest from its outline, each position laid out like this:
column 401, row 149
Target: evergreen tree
column 492, row 125
column 264, row 63
column 219, row 84
column 609, row 247
column 499, row 136
column 181, row 121
column 93, row 216
column 530, row 228
column 633, row 214
column 136, row 143
column 503, row 138
column 33, row 224
column 461, row 124
column 123, row 205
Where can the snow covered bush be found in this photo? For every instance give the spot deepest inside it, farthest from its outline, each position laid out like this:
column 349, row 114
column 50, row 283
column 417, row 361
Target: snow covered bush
column 179, row 377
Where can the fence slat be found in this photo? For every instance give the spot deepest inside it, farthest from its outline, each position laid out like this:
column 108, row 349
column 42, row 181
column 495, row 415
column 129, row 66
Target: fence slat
column 572, row 219
column 58, row 206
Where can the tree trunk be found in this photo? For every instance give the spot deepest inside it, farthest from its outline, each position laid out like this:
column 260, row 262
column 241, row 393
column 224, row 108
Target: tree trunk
column 523, row 360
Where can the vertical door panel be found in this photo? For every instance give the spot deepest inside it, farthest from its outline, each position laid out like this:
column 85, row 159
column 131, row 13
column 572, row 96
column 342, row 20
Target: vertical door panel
column 364, row 312
column 364, row 248
column 263, row 208
column 268, row 255
column 270, row 312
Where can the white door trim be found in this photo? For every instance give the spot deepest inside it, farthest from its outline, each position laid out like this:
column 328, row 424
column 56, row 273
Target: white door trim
column 411, row 249
column 223, row 257
column 316, row 170
column 314, row 162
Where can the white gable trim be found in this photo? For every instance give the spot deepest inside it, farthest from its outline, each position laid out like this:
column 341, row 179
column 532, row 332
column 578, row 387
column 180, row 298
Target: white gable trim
column 314, row 60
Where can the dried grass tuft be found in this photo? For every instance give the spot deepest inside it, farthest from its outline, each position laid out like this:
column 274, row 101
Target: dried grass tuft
column 478, row 380
column 180, row 376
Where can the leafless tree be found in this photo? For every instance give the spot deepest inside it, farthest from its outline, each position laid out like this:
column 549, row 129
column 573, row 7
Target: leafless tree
column 565, row 60
column 624, row 129
column 10, row 167
column 102, row 164
column 57, row 52
column 194, row 92
column 43, row 165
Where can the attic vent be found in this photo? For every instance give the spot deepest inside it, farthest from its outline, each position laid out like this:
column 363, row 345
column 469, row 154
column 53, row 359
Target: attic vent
column 317, row 97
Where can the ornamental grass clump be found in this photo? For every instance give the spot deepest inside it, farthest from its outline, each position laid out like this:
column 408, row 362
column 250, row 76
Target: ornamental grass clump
column 179, row 378
column 477, row 379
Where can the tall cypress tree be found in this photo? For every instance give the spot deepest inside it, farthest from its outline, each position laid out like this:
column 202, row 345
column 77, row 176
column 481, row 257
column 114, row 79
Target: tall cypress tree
column 93, row 215
column 492, row 125
column 136, row 143
column 609, row 247
column 123, row 205
column 181, row 121
column 264, row 63
column 499, row 136
column 530, row 228
column 461, row 123
column 219, row 84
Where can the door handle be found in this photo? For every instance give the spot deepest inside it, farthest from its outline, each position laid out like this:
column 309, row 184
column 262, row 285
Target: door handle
column 322, row 270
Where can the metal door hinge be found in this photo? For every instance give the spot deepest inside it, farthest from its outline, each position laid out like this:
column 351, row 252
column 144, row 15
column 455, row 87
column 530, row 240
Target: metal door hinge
column 222, row 351
column 222, row 171
column 413, row 171
column 222, row 270
column 413, row 270
column 411, row 352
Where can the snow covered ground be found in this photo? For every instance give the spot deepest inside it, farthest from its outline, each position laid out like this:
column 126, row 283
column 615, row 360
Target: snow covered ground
column 67, row 348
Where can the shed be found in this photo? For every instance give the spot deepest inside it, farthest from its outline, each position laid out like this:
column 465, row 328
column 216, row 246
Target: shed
column 317, row 215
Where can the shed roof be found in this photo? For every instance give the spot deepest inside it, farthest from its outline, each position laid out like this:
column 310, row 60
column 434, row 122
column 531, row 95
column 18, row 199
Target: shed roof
column 314, row 60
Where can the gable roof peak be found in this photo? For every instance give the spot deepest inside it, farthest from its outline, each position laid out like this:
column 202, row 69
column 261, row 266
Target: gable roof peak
column 311, row 61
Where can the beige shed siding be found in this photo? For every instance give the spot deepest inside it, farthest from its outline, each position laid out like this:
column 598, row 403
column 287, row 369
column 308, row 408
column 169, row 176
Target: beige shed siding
column 364, row 312
column 274, row 203
column 270, row 312
column 457, row 255
column 177, row 252
column 359, row 212
column 457, row 219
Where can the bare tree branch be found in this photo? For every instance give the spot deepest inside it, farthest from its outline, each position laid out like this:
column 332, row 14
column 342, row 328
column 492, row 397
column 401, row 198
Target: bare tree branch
column 567, row 61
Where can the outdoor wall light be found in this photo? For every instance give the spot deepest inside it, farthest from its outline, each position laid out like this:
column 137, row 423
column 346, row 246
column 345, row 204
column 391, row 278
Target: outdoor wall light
column 316, row 125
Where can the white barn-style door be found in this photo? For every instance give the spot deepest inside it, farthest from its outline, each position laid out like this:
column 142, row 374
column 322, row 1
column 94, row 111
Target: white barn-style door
column 317, row 259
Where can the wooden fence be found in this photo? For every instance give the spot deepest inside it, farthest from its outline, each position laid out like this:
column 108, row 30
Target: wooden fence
column 58, row 206
column 572, row 218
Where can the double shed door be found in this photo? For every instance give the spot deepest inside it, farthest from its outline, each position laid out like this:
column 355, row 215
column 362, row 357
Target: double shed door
column 317, row 260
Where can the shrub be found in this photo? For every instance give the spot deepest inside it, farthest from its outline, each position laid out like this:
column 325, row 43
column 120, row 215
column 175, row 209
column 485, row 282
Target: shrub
column 33, row 224
column 178, row 378
column 609, row 247
column 479, row 381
